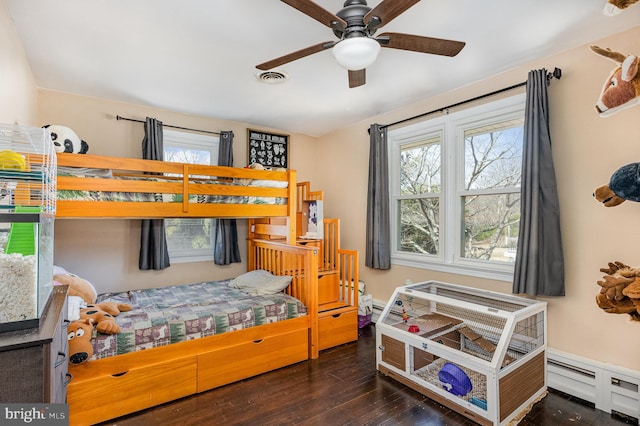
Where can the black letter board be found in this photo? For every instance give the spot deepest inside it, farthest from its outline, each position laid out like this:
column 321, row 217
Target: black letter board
column 268, row 149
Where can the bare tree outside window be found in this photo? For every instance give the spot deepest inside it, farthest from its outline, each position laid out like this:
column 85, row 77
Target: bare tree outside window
column 419, row 204
column 491, row 197
column 485, row 187
column 189, row 238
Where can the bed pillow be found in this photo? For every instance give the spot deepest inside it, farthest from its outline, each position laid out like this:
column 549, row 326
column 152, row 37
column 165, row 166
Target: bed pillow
column 269, row 183
column 260, row 282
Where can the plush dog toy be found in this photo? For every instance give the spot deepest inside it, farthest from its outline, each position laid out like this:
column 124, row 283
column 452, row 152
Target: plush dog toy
column 621, row 89
column 623, row 185
column 85, row 314
column 620, row 290
column 615, row 7
column 101, row 316
column 66, row 140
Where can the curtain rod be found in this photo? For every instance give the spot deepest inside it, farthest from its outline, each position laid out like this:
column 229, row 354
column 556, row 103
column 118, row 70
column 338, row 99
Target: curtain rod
column 557, row 73
column 168, row 125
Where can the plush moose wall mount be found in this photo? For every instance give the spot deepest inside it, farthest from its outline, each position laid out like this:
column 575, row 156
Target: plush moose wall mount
column 622, row 88
column 615, row 7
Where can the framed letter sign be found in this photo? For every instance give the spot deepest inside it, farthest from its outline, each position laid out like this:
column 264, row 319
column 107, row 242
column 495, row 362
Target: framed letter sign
column 268, row 149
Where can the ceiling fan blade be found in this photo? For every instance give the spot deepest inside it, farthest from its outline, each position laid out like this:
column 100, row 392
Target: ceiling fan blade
column 295, row 55
column 435, row 46
column 357, row 78
column 386, row 11
column 318, row 13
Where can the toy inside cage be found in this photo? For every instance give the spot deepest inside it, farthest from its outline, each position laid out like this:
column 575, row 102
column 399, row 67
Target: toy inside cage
column 27, row 211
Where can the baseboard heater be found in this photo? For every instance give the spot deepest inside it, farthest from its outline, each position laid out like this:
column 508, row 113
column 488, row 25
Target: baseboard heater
column 609, row 388
column 612, row 389
column 378, row 306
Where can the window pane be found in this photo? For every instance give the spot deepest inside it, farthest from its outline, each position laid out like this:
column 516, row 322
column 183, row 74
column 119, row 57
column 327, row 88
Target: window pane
column 186, row 235
column 493, row 157
column 420, row 168
column 490, row 226
column 419, row 225
column 186, row 155
column 190, row 238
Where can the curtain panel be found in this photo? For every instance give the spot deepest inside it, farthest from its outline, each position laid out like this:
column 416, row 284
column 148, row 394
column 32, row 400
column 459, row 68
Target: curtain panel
column 226, row 249
column 539, row 266
column 378, row 244
column 153, row 243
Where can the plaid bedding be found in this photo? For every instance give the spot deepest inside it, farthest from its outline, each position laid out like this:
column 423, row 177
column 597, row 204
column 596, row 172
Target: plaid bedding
column 161, row 316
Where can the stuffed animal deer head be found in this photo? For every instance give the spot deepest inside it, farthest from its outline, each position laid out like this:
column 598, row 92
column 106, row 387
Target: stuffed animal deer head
column 622, row 88
column 614, row 7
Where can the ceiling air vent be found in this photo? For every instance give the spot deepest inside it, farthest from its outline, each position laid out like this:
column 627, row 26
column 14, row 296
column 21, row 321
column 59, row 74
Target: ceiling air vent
column 272, row 77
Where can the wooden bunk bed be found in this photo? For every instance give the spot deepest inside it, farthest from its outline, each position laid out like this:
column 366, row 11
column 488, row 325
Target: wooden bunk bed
column 154, row 189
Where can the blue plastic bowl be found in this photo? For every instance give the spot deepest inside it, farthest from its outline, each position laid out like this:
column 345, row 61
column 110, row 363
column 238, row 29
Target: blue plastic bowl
column 454, row 379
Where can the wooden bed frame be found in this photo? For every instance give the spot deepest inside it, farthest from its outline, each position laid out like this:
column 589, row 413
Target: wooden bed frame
column 184, row 177
column 108, row 388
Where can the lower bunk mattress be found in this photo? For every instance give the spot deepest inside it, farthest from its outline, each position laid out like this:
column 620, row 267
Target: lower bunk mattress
column 162, row 316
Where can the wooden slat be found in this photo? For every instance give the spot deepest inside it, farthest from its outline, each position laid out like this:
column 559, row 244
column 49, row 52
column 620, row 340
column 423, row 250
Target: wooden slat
column 139, row 210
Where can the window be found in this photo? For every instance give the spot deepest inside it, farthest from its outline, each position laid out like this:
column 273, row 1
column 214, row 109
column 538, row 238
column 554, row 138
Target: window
column 455, row 190
column 190, row 240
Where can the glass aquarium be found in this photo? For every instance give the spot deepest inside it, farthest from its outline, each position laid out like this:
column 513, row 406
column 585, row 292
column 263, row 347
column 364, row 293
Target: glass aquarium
column 27, row 212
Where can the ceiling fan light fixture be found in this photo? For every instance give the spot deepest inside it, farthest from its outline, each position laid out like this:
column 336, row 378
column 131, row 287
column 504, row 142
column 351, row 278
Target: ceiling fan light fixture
column 356, row 53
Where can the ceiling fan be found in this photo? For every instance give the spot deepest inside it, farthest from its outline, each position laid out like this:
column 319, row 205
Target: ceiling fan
column 354, row 26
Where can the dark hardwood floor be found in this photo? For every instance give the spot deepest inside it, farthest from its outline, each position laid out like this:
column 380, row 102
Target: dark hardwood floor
column 341, row 387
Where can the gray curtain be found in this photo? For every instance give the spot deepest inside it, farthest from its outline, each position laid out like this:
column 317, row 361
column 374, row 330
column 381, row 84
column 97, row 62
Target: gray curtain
column 153, row 243
column 539, row 267
column 226, row 250
column 378, row 248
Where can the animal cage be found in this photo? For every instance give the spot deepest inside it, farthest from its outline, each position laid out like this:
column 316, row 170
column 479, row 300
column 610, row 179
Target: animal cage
column 480, row 353
column 27, row 211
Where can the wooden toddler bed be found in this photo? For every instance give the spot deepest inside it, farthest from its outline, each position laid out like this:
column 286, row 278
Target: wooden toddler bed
column 110, row 387
column 92, row 186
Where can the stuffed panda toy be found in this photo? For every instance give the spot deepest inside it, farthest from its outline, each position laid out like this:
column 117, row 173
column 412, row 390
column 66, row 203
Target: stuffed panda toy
column 65, row 140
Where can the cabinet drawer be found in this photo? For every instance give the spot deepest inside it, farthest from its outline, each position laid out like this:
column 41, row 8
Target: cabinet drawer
column 337, row 329
column 229, row 364
column 106, row 396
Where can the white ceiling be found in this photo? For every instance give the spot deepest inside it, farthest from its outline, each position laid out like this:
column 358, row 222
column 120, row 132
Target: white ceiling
column 199, row 56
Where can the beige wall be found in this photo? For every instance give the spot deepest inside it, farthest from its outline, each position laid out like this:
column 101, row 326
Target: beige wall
column 106, row 251
column 586, row 149
column 17, row 86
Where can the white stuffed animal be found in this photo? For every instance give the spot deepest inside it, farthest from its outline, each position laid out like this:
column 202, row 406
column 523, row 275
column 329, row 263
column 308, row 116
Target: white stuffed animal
column 66, row 140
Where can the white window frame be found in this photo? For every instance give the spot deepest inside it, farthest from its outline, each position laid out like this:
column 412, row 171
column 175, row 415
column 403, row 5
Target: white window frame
column 450, row 127
column 206, row 142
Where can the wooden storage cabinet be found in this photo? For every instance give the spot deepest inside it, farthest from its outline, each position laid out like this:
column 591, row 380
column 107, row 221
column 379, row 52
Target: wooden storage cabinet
column 337, row 328
column 33, row 362
column 477, row 352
